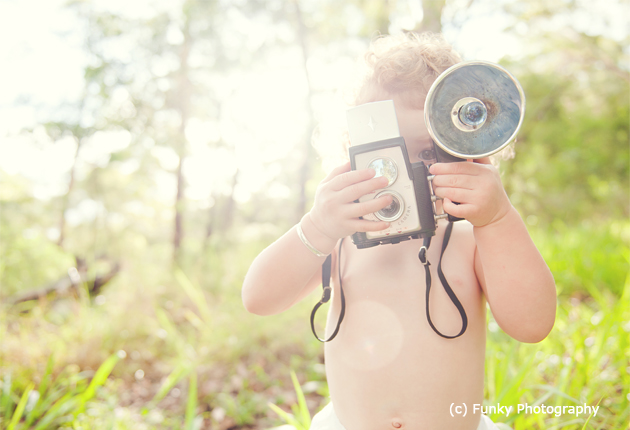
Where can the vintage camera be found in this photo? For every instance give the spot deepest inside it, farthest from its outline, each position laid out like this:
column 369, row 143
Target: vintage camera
column 377, row 143
column 472, row 110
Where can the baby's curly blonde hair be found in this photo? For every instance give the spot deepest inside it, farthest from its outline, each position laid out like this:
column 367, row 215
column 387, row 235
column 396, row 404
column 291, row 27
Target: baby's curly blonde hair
column 405, row 66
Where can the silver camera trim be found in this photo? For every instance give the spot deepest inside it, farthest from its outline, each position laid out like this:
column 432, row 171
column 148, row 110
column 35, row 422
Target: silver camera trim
column 389, row 183
column 401, row 206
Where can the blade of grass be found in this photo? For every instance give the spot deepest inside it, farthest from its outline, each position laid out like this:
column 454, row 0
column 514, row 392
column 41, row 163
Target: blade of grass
column 511, row 392
column 19, row 410
column 304, row 415
column 557, row 392
column 64, row 405
column 180, row 372
column 166, row 322
column 7, row 403
column 44, row 404
column 195, row 293
column 47, row 378
column 191, row 404
column 287, row 417
column 591, row 415
column 101, row 375
column 99, row 379
column 43, row 387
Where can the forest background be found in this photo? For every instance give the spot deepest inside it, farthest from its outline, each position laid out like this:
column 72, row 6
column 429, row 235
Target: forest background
column 132, row 207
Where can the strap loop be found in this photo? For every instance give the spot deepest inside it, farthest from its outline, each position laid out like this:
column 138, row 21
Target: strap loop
column 326, row 295
column 447, row 288
column 422, row 255
column 326, row 272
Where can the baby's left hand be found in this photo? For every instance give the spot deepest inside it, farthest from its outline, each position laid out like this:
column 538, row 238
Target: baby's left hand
column 475, row 186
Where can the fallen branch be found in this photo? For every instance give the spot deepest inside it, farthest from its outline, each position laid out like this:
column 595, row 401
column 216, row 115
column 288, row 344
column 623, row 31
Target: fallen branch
column 69, row 284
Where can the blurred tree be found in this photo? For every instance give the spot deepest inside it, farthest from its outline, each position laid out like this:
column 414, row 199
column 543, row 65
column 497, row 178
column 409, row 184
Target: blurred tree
column 78, row 133
column 573, row 156
column 27, row 257
column 152, row 78
column 319, row 27
column 432, row 16
column 172, row 68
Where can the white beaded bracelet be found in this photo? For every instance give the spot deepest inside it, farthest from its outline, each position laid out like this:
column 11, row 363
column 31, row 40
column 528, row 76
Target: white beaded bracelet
column 308, row 244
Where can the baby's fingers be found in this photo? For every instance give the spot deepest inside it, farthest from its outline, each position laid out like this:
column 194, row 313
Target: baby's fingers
column 356, row 191
column 454, row 181
column 337, row 171
column 347, row 179
column 457, row 210
column 460, row 195
column 355, row 210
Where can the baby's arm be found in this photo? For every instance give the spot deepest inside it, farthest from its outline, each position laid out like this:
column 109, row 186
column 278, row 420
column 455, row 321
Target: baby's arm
column 515, row 278
column 287, row 271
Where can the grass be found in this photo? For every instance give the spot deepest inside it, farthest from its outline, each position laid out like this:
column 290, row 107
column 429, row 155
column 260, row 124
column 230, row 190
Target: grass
column 194, row 358
column 56, row 401
column 301, row 416
column 583, row 361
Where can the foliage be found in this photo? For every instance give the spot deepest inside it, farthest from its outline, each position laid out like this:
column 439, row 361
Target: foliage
column 180, row 333
column 588, row 259
column 583, row 361
column 572, row 156
column 56, row 401
column 194, row 357
column 301, row 417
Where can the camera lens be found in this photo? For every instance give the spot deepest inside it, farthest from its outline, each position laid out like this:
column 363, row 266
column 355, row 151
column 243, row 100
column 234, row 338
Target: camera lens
column 473, row 113
column 384, row 166
column 394, row 210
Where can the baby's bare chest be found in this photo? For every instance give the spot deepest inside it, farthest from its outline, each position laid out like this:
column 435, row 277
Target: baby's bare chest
column 395, row 272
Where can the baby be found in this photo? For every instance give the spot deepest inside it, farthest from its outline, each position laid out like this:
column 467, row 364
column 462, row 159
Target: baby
column 387, row 368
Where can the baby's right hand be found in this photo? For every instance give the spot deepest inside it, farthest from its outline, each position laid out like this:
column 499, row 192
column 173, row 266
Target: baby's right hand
column 335, row 212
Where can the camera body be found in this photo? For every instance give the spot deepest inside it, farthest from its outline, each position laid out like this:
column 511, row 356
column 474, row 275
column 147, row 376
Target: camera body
column 377, row 144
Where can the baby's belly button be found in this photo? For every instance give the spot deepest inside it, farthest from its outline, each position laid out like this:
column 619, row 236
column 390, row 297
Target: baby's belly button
column 397, row 423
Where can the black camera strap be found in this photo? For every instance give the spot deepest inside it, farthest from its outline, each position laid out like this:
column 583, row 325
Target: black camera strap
column 422, row 255
column 326, row 274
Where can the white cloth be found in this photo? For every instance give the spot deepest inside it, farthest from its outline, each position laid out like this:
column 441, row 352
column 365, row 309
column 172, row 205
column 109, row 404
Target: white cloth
column 326, row 419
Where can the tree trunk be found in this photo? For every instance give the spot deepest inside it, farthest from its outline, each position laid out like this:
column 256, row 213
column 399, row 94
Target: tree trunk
column 432, row 20
column 182, row 102
column 210, row 224
column 178, row 232
column 305, row 170
column 66, row 197
column 228, row 215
